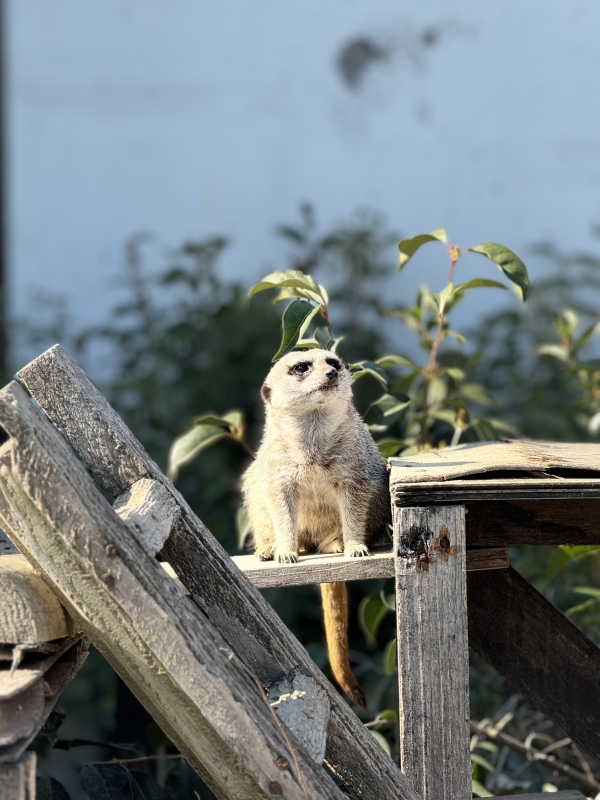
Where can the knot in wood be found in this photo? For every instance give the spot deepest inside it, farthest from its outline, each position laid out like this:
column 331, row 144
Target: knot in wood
column 112, row 549
column 275, row 788
column 445, row 543
column 282, row 762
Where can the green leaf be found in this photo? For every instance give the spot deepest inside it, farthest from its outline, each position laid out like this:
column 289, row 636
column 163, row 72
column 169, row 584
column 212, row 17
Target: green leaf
column 477, row 393
column 482, row 762
column 389, row 657
column 566, row 553
column 477, row 283
column 442, row 297
column 589, row 591
column 47, row 788
column 580, row 607
column 395, row 360
column 323, row 338
column 588, row 335
column 437, row 391
column 455, row 373
column 232, row 419
column 408, row 247
column 110, row 782
column 362, row 368
column 479, row 789
column 390, row 447
column 289, row 278
column 371, row 612
column 242, row 524
column 386, row 410
column 554, row 350
column 510, row 264
column 458, row 336
column 382, row 741
column 186, row 447
column 296, row 319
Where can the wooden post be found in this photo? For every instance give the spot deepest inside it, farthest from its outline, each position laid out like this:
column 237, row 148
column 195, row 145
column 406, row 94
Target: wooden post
column 433, row 660
column 17, row 780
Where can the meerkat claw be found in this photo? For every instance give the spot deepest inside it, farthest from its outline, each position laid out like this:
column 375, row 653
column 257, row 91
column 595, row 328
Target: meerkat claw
column 287, row 558
column 356, row 551
column 264, row 555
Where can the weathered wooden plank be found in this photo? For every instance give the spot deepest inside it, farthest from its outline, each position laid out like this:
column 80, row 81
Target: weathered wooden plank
column 498, row 489
column 327, row 568
column 227, row 596
column 17, row 780
column 30, row 611
column 539, row 652
column 160, row 643
column 31, row 710
column 525, row 455
column 549, row 521
column 433, row 668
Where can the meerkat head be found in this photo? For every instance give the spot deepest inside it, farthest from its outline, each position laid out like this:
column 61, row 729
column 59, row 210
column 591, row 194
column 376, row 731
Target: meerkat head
column 307, row 380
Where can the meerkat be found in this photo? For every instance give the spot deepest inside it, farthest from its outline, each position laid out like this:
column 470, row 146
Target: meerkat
column 319, row 483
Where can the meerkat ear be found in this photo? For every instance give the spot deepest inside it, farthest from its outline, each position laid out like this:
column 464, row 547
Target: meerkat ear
column 266, row 393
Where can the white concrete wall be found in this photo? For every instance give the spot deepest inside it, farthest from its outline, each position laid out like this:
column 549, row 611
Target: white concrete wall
column 186, row 118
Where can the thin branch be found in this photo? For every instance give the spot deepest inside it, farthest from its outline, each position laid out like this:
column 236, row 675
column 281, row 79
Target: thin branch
column 487, row 729
column 158, row 757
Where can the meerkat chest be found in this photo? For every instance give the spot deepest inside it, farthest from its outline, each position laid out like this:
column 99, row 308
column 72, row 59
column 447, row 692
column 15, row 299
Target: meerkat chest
column 317, row 486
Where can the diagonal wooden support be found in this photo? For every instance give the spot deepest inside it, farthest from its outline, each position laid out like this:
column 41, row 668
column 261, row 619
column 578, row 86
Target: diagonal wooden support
column 433, row 662
column 231, row 602
column 539, row 652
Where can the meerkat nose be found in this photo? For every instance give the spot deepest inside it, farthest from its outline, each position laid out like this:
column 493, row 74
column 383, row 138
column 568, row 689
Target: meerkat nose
column 331, row 373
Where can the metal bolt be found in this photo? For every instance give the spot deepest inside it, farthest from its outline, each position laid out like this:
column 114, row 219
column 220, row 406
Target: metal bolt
column 111, row 549
column 282, row 762
column 275, row 788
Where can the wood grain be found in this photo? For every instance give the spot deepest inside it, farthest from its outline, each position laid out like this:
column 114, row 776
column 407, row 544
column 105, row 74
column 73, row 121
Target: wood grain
column 315, row 568
column 433, row 665
column 29, row 611
column 17, row 780
column 160, row 643
column 540, row 653
column 226, row 596
column 547, row 521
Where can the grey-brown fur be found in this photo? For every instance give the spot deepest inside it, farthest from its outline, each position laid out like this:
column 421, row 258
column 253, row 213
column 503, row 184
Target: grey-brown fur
column 318, row 482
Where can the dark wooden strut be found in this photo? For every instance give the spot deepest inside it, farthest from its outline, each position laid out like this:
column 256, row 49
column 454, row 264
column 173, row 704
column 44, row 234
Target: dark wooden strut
column 550, row 521
column 236, row 608
column 539, row 652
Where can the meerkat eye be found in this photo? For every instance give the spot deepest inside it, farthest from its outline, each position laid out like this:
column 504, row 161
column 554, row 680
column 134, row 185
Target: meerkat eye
column 300, row 369
column 333, row 362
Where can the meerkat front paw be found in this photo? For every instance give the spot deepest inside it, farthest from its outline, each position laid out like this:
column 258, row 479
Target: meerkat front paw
column 265, row 554
column 356, row 550
column 286, row 558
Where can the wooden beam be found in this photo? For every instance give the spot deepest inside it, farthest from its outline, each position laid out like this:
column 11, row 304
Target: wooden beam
column 539, row 652
column 227, row 597
column 156, row 638
column 17, row 780
column 548, row 521
column 314, row 568
column 465, row 491
column 433, row 663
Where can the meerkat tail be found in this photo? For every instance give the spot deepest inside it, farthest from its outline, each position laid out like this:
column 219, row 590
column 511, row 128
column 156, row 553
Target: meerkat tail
column 335, row 609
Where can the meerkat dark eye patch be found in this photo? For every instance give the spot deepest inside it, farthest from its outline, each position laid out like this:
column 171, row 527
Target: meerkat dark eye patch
column 266, row 393
column 333, row 362
column 301, row 369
